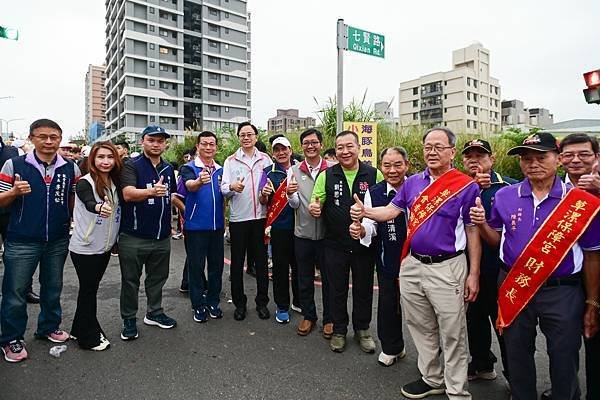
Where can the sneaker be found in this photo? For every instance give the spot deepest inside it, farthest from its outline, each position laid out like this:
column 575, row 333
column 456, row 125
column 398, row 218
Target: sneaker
column 104, row 344
column 296, row 308
column 129, row 331
column 177, row 236
column 365, row 341
column 282, row 316
column 419, row 390
column 337, row 343
column 387, row 360
column 200, row 315
column 15, row 352
column 184, row 287
column 58, row 336
column 161, row 320
column 214, row 312
column 483, row 375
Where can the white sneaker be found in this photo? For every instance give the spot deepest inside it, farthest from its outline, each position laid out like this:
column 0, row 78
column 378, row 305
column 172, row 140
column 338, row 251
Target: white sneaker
column 296, row 308
column 387, row 360
column 104, row 344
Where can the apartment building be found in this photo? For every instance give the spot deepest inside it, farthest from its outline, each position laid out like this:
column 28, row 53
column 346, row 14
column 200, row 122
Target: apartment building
column 176, row 63
column 95, row 104
column 466, row 99
column 289, row 120
column 515, row 115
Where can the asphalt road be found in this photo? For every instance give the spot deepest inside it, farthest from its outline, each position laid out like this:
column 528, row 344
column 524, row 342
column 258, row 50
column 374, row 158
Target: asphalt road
column 221, row 359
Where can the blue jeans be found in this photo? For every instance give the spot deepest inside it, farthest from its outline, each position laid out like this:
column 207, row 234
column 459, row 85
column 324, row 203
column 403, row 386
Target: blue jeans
column 20, row 262
column 204, row 248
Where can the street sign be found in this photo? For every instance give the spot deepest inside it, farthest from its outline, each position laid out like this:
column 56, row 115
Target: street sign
column 366, row 42
column 9, row 33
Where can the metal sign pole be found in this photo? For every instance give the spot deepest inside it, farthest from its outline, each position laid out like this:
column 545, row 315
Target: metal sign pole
column 342, row 44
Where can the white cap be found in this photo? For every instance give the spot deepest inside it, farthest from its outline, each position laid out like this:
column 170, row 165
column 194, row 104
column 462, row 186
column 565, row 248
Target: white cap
column 283, row 141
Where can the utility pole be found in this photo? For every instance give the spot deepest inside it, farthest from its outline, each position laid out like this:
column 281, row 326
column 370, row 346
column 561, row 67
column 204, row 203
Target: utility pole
column 342, row 44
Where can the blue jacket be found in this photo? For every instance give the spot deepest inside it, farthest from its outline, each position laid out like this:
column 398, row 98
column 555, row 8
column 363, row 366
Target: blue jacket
column 44, row 215
column 390, row 234
column 277, row 174
column 204, row 208
column 151, row 218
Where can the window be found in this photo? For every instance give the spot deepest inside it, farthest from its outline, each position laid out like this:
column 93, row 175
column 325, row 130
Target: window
column 227, row 31
column 174, row 35
column 165, row 103
column 468, row 81
column 213, row 76
column 227, row 78
column 151, row 46
column 151, row 64
column 468, row 109
column 213, row 92
column 415, row 116
column 212, row 60
column 474, row 83
column 468, row 123
column 415, row 103
column 445, row 110
column 226, row 46
column 474, row 124
column 212, row 11
column 212, row 44
column 214, row 108
column 226, row 15
column 496, row 89
column 152, row 100
column 475, row 110
column 163, row 32
column 174, row 52
column 151, row 27
column 174, row 17
column 468, row 95
column 226, row 94
column 151, row 10
column 163, row 14
column 152, row 83
column 416, row 90
column 226, row 109
column 163, row 50
column 445, row 83
column 213, row 28
column 163, row 67
column 445, row 97
column 174, row 1
column 226, row 62
column 475, row 97
column 152, row 118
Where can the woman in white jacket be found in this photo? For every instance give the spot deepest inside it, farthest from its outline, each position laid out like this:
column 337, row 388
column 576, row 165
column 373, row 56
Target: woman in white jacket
column 97, row 216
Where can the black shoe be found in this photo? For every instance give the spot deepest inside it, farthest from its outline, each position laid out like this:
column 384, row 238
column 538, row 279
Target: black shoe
column 263, row 312
column 546, row 395
column 251, row 271
column 184, row 288
column 32, row 298
column 239, row 314
column 419, row 390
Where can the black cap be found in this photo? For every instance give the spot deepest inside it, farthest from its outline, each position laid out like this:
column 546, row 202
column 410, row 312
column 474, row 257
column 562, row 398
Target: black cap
column 154, row 130
column 541, row 141
column 478, row 144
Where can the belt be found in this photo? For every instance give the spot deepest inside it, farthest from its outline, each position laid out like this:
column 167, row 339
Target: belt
column 435, row 259
column 570, row 280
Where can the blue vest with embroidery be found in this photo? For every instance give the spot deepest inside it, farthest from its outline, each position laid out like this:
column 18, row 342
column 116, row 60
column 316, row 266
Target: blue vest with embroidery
column 204, row 208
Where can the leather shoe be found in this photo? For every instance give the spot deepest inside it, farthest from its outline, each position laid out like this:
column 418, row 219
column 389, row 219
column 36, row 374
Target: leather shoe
column 328, row 330
column 239, row 314
column 546, row 395
column 32, row 298
column 263, row 312
column 305, row 327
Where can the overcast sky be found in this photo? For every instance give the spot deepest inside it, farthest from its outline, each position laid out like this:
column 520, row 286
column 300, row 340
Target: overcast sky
column 539, row 50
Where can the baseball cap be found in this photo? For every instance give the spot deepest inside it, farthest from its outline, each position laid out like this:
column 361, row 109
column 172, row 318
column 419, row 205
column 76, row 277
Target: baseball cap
column 541, row 141
column 281, row 140
column 478, row 144
column 155, row 130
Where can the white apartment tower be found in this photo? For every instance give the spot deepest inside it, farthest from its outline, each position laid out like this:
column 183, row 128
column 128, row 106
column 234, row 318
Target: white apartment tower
column 95, row 106
column 176, row 63
column 466, row 99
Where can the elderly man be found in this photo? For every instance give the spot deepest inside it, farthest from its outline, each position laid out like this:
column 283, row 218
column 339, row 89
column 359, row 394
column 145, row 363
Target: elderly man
column 478, row 162
column 435, row 281
column 549, row 238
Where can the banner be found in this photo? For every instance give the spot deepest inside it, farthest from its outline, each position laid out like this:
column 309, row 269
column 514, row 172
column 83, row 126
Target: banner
column 367, row 139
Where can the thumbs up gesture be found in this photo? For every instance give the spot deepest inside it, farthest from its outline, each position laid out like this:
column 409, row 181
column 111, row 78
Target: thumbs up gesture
column 160, row 189
column 314, row 208
column 268, row 189
column 204, row 177
column 482, row 179
column 591, row 181
column 357, row 211
column 21, row 187
column 106, row 208
column 238, row 186
column 292, row 186
column 477, row 213
column 357, row 231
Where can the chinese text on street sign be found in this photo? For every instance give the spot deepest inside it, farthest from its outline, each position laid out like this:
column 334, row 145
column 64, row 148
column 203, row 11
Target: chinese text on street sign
column 365, row 42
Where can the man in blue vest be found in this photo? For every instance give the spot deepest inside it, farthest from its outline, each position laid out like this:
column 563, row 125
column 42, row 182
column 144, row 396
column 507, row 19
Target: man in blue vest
column 148, row 182
column 39, row 188
column 203, row 227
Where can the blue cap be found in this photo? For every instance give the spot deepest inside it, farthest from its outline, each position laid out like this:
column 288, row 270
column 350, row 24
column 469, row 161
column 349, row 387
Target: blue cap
column 155, row 130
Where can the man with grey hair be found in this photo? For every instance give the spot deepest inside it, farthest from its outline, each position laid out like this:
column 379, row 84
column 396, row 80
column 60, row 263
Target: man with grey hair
column 435, row 281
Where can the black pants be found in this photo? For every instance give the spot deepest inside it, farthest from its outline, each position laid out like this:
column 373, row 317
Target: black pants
column 308, row 256
column 206, row 252
column 244, row 235
column 338, row 264
column 389, row 315
column 481, row 320
column 592, row 367
column 284, row 259
column 90, row 270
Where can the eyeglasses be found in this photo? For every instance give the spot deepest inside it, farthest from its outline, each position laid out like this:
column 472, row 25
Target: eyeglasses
column 208, row 144
column 309, row 143
column 43, row 138
column 438, row 148
column 246, row 135
column 582, row 156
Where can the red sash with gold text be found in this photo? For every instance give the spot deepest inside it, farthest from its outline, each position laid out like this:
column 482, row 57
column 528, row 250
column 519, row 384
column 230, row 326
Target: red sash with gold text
column 431, row 199
column 544, row 253
column 277, row 205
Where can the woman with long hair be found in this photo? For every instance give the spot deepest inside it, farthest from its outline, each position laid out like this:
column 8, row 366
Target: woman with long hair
column 97, row 216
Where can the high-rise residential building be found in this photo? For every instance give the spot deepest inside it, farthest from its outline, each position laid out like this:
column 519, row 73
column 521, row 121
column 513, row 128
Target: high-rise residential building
column 176, row 63
column 288, row 120
column 515, row 115
column 466, row 99
column 383, row 110
column 95, row 93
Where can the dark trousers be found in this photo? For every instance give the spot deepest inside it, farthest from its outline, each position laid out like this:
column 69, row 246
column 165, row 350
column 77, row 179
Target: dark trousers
column 244, row 235
column 592, row 367
column 90, row 270
column 205, row 248
column 338, row 264
column 389, row 315
column 481, row 320
column 559, row 312
column 308, row 256
column 284, row 259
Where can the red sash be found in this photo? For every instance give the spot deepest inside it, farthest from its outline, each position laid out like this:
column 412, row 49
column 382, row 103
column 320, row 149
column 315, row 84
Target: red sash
column 279, row 202
column 544, row 253
column 431, row 199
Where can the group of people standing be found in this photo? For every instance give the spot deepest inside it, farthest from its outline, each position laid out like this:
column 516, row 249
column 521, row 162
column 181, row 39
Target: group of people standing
column 518, row 254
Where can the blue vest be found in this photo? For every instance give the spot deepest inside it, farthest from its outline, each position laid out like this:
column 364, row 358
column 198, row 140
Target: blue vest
column 204, row 208
column 285, row 220
column 390, row 235
column 151, row 218
column 44, row 214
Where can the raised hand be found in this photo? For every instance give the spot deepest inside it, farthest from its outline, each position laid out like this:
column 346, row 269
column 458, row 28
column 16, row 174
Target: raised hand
column 204, row 177
column 160, row 189
column 292, row 186
column 268, row 189
column 356, row 230
column 106, row 208
column 21, row 187
column 483, row 180
column 357, row 211
column 314, row 208
column 477, row 213
column 238, row 186
column 591, row 181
